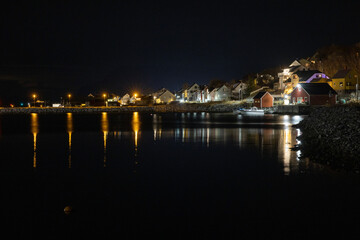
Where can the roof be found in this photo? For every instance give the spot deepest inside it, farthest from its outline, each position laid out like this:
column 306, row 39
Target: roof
column 341, row 73
column 305, row 75
column 317, row 88
column 260, row 94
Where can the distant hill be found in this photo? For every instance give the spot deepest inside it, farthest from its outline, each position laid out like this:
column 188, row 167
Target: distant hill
column 332, row 58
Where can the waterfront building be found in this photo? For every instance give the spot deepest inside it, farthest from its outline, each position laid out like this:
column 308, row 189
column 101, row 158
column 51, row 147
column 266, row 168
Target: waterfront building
column 191, row 94
column 239, row 90
column 313, row 94
column 223, row 93
column 163, row 96
column 125, row 100
column 263, row 100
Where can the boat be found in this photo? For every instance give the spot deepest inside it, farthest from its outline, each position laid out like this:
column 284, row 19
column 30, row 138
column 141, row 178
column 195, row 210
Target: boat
column 254, row 111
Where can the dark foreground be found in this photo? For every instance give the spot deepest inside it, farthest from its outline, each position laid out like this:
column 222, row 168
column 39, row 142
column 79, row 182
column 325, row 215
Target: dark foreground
column 167, row 176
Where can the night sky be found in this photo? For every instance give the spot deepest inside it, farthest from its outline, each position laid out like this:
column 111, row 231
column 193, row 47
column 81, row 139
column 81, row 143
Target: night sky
column 57, row 47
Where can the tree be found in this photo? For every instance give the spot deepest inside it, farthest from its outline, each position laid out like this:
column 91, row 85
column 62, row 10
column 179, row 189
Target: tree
column 216, row 83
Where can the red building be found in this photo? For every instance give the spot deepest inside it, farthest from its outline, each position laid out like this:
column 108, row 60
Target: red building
column 313, row 94
column 263, row 100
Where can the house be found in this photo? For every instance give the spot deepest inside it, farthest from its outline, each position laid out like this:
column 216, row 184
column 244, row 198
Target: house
column 344, row 81
column 191, row 94
column 304, row 76
column 204, row 95
column 125, row 100
column 263, row 100
column 313, row 94
column 163, row 96
column 238, row 90
column 297, row 65
column 223, row 93
column 213, row 94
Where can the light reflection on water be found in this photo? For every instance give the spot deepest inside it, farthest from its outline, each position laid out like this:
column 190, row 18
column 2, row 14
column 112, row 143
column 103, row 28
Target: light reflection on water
column 270, row 140
column 34, row 126
column 105, row 130
column 69, row 128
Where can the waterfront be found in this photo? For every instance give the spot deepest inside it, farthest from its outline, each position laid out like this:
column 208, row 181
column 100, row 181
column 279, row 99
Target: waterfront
column 179, row 175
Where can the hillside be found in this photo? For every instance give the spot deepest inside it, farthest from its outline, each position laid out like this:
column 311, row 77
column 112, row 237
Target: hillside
column 330, row 59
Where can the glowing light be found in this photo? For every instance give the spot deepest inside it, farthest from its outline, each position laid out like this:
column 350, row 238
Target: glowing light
column 136, row 127
column 34, row 126
column 69, row 126
column 105, row 130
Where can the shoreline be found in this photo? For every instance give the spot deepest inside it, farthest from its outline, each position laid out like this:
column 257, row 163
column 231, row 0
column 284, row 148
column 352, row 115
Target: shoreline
column 219, row 107
column 215, row 108
column 331, row 136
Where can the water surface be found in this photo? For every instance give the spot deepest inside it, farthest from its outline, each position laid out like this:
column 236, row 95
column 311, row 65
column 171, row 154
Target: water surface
column 176, row 175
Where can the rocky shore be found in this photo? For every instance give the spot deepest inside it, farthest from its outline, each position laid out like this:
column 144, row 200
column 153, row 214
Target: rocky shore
column 186, row 107
column 331, row 136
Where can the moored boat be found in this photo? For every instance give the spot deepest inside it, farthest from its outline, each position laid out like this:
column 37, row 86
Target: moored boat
column 254, row 111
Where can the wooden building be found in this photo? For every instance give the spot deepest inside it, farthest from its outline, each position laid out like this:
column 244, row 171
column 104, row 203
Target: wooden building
column 263, row 100
column 313, row 94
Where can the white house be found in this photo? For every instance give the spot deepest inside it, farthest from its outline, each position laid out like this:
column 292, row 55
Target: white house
column 223, row 93
column 297, row 65
column 238, row 90
column 191, row 94
column 213, row 94
column 125, row 99
column 163, row 96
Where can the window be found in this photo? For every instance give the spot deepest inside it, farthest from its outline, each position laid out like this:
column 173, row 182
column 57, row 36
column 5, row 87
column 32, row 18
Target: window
column 299, row 99
column 305, row 99
column 294, row 99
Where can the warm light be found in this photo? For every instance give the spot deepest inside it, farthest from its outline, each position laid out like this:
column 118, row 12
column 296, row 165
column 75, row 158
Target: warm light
column 135, row 95
column 105, row 130
column 104, row 95
column 69, row 95
column 135, row 126
column 34, row 126
column 34, row 96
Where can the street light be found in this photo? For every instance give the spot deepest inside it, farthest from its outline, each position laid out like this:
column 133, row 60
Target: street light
column 104, row 95
column 69, row 96
column 34, row 96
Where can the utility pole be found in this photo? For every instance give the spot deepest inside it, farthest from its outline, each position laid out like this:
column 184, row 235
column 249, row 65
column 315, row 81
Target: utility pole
column 357, row 87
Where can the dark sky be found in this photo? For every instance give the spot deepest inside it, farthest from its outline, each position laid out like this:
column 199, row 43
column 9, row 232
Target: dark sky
column 119, row 46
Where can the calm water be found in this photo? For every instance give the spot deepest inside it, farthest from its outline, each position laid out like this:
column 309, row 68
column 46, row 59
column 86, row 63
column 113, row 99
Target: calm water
column 174, row 176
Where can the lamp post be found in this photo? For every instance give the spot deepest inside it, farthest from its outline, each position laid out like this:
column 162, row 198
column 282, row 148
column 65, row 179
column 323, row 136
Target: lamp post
column 34, row 96
column 104, row 95
column 69, row 96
